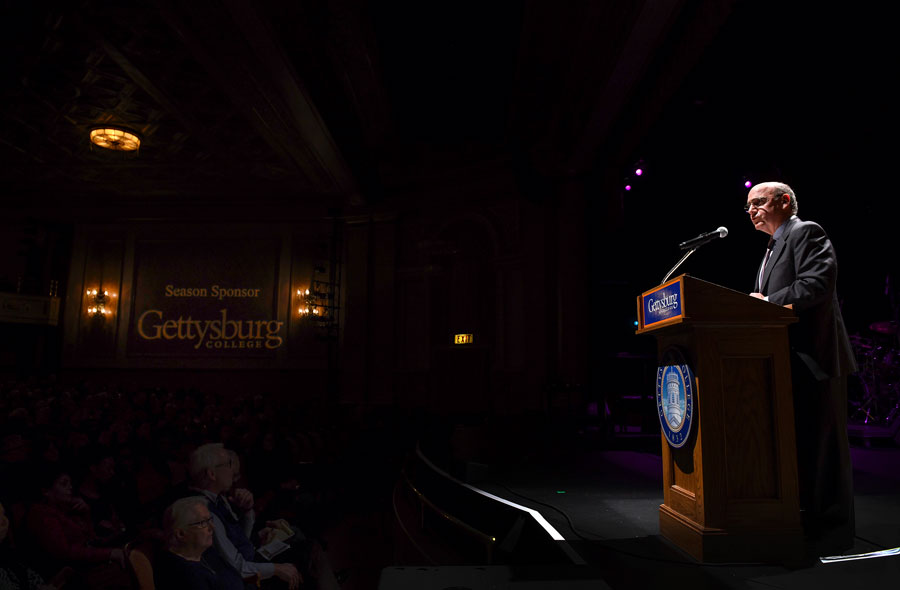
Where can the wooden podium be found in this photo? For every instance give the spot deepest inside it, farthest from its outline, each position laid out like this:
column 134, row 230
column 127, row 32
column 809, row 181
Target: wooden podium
column 730, row 491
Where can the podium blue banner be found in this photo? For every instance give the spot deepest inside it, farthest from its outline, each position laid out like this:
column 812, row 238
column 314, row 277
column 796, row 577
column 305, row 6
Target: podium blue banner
column 664, row 303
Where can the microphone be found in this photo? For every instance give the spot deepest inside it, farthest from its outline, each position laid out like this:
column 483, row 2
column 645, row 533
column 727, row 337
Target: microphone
column 721, row 232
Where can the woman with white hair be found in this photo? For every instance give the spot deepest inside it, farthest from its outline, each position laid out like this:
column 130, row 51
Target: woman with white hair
column 187, row 563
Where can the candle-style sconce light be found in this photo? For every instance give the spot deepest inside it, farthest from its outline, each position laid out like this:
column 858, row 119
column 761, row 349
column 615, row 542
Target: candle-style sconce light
column 303, row 299
column 317, row 303
column 312, row 304
column 100, row 302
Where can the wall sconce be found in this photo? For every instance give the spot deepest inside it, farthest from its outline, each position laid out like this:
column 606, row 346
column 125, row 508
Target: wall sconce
column 310, row 306
column 99, row 303
column 318, row 304
column 303, row 298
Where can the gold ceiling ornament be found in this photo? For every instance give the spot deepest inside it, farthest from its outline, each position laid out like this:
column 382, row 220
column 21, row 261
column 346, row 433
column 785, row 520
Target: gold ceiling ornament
column 115, row 138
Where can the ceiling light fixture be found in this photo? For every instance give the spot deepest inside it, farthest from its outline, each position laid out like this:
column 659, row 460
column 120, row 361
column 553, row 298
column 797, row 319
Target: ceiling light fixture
column 115, row 138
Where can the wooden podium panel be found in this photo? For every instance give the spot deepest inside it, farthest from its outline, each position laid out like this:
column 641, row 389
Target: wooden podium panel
column 730, row 492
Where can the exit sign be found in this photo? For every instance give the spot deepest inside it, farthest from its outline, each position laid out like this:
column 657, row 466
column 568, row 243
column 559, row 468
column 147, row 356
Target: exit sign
column 462, row 339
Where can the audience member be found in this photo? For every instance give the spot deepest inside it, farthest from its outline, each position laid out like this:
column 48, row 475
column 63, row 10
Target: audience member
column 60, row 525
column 189, row 561
column 134, row 449
column 212, row 475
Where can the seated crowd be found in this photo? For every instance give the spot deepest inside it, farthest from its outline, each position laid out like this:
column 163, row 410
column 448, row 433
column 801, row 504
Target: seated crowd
column 88, row 475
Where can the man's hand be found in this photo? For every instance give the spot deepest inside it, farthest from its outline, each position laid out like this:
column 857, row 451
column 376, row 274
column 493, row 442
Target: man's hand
column 288, row 573
column 242, row 499
column 281, row 525
column 758, row 296
column 275, row 529
column 265, row 535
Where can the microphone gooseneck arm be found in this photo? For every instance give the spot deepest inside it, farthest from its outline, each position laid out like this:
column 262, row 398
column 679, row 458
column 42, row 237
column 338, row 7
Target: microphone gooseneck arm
column 677, row 264
column 692, row 245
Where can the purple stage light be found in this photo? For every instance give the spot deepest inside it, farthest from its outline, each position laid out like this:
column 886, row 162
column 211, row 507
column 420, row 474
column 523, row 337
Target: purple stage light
column 639, row 172
column 628, row 187
column 748, row 184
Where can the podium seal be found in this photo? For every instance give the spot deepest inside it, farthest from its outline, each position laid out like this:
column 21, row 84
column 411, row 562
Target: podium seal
column 675, row 397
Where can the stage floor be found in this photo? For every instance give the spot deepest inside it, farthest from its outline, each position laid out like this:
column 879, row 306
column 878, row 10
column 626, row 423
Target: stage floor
column 605, row 503
column 603, row 496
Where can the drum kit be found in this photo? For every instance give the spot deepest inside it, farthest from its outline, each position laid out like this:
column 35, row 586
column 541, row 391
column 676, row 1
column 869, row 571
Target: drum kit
column 874, row 391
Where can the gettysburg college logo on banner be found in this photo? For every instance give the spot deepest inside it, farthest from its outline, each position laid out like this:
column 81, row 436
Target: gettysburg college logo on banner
column 675, row 397
column 662, row 303
column 215, row 297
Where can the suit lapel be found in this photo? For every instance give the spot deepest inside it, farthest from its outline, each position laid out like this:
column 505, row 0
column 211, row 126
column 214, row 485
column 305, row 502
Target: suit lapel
column 780, row 245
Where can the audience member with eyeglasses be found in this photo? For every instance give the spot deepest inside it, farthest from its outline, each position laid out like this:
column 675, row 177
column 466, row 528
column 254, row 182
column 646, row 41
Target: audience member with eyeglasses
column 190, row 562
column 212, row 476
column 800, row 268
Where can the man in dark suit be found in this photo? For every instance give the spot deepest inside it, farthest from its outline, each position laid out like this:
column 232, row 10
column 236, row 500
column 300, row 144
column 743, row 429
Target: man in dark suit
column 800, row 268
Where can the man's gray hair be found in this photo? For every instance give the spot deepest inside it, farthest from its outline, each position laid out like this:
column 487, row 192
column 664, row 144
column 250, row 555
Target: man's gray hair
column 780, row 188
column 204, row 457
column 179, row 515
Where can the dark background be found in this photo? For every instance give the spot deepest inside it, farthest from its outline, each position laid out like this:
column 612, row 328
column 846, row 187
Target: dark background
column 488, row 143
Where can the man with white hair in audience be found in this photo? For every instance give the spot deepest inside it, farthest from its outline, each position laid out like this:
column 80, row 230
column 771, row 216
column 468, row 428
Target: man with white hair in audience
column 212, row 476
column 188, row 563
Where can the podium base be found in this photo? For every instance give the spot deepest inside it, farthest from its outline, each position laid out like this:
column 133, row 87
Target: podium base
column 711, row 545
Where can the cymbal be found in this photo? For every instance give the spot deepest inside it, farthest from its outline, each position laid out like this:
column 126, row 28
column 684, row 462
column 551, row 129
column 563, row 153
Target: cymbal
column 884, row 327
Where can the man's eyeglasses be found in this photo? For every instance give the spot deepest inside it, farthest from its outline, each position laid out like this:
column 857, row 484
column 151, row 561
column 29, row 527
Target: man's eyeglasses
column 201, row 524
column 757, row 203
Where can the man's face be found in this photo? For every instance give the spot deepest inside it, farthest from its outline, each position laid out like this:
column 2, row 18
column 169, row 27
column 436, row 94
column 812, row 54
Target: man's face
column 767, row 209
column 197, row 535
column 223, row 472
